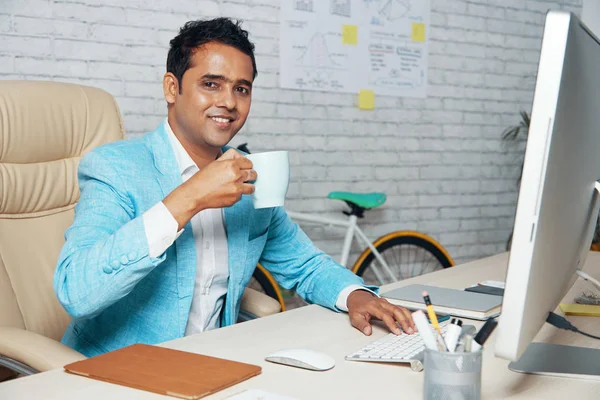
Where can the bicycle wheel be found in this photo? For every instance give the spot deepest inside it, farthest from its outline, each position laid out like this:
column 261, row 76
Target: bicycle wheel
column 264, row 282
column 407, row 253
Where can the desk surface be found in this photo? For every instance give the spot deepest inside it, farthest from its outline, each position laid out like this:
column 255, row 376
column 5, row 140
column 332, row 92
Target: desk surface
column 320, row 329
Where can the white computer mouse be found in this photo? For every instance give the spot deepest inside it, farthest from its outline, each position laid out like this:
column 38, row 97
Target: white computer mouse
column 302, row 358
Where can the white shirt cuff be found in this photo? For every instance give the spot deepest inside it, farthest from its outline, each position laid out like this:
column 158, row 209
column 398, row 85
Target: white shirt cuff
column 161, row 229
column 342, row 300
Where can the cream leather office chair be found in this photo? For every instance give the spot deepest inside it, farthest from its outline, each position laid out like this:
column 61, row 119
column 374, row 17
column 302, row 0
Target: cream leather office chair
column 45, row 128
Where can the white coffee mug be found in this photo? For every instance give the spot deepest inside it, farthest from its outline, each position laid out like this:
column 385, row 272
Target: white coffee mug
column 273, row 169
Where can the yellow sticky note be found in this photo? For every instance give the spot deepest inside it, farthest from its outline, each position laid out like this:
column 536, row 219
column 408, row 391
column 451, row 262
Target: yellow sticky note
column 350, row 34
column 586, row 310
column 418, row 32
column 366, row 100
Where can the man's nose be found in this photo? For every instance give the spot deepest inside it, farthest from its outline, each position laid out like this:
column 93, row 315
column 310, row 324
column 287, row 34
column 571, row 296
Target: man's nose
column 226, row 99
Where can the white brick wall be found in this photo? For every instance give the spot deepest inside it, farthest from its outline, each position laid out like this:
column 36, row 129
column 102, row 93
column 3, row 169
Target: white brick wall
column 439, row 159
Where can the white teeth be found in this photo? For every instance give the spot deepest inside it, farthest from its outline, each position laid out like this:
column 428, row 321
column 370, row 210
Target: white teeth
column 220, row 119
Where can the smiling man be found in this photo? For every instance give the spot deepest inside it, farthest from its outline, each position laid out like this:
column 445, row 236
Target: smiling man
column 165, row 238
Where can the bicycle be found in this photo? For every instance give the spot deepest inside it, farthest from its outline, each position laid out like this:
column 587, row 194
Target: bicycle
column 395, row 256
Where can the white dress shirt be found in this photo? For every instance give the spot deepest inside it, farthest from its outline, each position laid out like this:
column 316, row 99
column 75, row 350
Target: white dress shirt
column 208, row 228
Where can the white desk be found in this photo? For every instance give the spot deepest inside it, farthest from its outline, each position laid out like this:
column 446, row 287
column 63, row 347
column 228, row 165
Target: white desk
column 320, row 329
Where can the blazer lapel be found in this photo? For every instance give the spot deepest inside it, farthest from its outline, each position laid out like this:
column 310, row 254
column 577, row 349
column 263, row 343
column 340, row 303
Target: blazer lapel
column 169, row 176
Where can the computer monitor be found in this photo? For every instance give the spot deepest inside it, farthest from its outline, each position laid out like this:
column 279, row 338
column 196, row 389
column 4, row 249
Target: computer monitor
column 557, row 205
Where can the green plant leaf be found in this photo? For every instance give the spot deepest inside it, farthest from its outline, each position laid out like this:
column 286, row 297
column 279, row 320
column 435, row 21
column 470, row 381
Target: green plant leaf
column 512, row 133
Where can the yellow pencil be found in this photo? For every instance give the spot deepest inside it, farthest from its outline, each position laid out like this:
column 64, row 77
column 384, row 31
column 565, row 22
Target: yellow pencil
column 434, row 321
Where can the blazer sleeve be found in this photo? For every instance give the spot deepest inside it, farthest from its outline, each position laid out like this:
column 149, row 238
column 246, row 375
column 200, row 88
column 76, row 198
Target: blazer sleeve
column 106, row 251
column 296, row 263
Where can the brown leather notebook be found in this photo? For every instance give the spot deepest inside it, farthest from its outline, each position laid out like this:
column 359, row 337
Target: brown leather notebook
column 165, row 371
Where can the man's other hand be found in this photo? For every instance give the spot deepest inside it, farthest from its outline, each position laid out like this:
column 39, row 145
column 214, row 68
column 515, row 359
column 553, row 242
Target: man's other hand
column 363, row 306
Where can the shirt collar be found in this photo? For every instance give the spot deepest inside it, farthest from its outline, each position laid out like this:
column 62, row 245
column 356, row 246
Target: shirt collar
column 184, row 161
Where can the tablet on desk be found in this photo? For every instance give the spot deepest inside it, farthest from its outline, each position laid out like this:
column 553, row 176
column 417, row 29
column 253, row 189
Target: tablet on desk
column 455, row 302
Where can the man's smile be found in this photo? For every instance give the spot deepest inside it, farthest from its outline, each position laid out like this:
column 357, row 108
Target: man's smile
column 222, row 121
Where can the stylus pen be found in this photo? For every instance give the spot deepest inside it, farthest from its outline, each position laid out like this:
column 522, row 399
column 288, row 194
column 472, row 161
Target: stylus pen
column 483, row 334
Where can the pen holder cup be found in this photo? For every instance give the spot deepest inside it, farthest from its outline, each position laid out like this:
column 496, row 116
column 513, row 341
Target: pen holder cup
column 450, row 376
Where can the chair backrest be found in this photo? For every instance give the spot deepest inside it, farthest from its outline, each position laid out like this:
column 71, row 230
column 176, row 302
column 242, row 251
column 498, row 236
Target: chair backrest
column 45, row 128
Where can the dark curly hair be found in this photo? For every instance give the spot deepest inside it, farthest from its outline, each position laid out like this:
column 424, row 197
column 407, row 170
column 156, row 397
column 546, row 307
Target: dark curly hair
column 197, row 33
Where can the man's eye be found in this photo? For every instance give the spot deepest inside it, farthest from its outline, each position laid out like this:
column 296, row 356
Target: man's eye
column 210, row 85
column 243, row 90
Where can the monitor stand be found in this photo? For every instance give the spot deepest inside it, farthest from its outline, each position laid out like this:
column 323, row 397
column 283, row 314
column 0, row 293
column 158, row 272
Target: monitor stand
column 559, row 360
column 588, row 233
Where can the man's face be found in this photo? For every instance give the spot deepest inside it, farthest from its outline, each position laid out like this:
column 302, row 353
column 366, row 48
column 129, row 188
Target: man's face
column 215, row 96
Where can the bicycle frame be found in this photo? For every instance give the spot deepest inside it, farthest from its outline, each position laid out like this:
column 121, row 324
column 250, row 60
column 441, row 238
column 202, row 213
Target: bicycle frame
column 352, row 230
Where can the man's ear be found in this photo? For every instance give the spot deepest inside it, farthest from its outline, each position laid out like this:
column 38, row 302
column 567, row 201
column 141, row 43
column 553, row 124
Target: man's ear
column 170, row 87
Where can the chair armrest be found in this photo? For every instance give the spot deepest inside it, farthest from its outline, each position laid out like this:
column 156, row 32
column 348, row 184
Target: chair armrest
column 259, row 304
column 35, row 350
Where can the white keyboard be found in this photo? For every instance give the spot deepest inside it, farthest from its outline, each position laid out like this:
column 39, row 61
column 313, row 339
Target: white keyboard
column 398, row 349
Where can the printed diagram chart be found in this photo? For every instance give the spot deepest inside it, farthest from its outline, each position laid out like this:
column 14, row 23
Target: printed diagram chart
column 383, row 12
column 316, row 54
column 398, row 57
column 341, row 7
column 396, row 66
column 353, row 45
column 395, row 9
column 304, row 5
column 318, row 66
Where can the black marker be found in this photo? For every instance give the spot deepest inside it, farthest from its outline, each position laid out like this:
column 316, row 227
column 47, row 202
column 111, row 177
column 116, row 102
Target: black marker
column 483, row 334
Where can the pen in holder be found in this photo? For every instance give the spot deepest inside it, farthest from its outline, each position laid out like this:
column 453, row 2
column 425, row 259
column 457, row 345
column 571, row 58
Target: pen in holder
column 455, row 376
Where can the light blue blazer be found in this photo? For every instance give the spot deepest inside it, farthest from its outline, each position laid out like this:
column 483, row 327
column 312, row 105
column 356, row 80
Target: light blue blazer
column 118, row 295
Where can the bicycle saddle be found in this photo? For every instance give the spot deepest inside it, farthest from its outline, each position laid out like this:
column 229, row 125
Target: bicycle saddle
column 364, row 200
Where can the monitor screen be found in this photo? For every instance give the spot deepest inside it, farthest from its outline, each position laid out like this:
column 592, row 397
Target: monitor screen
column 557, row 207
